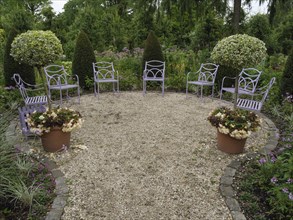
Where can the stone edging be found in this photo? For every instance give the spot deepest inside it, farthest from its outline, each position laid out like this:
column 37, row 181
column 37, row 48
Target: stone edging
column 61, row 189
column 226, row 182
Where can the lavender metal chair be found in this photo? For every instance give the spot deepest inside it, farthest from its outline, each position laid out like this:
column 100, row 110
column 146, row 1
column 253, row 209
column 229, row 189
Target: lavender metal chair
column 23, row 113
column 253, row 105
column 154, row 71
column 104, row 72
column 58, row 79
column 247, row 83
column 205, row 76
column 27, row 89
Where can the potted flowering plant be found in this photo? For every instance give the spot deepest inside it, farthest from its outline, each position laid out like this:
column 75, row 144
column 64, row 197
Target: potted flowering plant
column 54, row 126
column 234, row 127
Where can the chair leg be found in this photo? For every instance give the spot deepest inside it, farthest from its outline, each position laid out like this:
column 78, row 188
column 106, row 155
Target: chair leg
column 114, row 87
column 98, row 90
column 186, row 89
column 78, row 91
column 95, row 88
column 163, row 89
column 143, row 87
column 212, row 92
column 118, row 86
column 60, row 97
column 201, row 87
column 221, row 92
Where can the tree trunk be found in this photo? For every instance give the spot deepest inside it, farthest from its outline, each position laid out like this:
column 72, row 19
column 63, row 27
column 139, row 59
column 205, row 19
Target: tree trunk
column 45, row 86
column 236, row 16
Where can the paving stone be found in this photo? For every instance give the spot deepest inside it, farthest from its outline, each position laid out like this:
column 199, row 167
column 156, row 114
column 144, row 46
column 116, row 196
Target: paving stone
column 57, row 173
column 227, row 191
column 226, row 180
column 232, row 204
column 238, row 215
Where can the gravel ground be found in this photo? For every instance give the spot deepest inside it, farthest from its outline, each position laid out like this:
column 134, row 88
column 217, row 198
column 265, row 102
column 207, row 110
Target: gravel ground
column 149, row 157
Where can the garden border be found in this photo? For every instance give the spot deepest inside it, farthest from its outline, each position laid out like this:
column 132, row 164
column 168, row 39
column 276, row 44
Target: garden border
column 227, row 178
column 61, row 188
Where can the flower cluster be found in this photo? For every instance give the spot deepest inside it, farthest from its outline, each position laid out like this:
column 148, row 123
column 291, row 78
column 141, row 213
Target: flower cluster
column 237, row 123
column 64, row 118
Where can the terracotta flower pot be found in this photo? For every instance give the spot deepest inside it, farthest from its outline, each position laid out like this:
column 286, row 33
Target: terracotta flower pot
column 230, row 145
column 55, row 140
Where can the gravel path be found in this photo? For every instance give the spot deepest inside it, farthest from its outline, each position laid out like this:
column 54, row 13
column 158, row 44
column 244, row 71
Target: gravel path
column 147, row 157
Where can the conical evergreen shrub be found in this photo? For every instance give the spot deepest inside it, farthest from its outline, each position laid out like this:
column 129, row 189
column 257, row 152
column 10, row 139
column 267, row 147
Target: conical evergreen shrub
column 152, row 49
column 83, row 59
column 287, row 79
column 11, row 66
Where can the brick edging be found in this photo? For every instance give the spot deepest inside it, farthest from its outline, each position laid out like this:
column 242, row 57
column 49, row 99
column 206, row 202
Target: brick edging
column 227, row 178
column 61, row 188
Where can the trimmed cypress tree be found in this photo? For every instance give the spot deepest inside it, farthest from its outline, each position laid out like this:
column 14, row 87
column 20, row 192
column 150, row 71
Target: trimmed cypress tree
column 83, row 59
column 152, row 49
column 11, row 66
column 287, row 78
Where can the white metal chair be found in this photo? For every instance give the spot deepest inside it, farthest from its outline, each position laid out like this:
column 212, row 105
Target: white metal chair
column 154, row 70
column 253, row 105
column 58, row 79
column 104, row 72
column 247, row 82
column 27, row 89
column 205, row 76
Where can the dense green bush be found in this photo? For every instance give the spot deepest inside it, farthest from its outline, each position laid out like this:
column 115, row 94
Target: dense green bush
column 11, row 66
column 287, row 79
column 83, row 59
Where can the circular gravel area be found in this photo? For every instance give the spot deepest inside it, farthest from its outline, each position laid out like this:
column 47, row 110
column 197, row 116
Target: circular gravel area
column 149, row 157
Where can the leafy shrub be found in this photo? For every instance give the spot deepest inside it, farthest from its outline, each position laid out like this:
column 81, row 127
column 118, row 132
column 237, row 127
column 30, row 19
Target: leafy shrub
column 130, row 77
column 239, row 51
column 152, row 49
column 178, row 64
column 83, row 59
column 36, row 48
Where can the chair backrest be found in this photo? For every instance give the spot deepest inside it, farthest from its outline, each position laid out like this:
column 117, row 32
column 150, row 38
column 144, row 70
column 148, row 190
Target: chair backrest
column 208, row 72
column 154, row 69
column 248, row 79
column 56, row 75
column 103, row 70
column 20, row 85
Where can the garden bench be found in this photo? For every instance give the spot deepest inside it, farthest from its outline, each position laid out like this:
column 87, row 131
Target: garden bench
column 205, row 76
column 154, row 70
column 247, row 82
column 23, row 113
column 25, row 89
column 253, row 105
column 104, row 72
column 58, row 79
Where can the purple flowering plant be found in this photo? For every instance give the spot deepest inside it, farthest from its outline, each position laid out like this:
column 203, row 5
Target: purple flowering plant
column 276, row 179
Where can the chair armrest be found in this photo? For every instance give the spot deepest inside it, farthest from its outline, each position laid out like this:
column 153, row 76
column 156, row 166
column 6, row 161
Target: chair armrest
column 227, row 77
column 74, row 76
column 187, row 75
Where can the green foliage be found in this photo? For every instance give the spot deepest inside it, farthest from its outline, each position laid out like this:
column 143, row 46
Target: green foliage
column 178, row 63
column 239, row 51
column 11, row 66
column 207, row 32
column 36, row 48
column 287, row 78
column 83, row 59
column 2, row 43
column 129, row 74
column 152, row 49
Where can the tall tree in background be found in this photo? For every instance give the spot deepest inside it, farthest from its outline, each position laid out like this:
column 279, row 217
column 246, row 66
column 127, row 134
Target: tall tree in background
column 83, row 59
